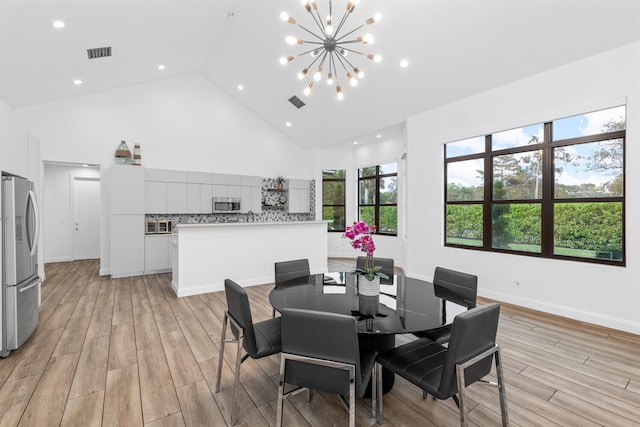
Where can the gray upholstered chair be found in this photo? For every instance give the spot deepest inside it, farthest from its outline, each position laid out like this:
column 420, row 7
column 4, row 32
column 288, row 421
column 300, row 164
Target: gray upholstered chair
column 385, row 263
column 456, row 286
column 445, row 372
column 257, row 339
column 320, row 352
column 289, row 270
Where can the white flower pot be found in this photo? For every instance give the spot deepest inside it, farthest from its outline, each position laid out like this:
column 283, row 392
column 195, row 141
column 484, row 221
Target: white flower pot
column 368, row 287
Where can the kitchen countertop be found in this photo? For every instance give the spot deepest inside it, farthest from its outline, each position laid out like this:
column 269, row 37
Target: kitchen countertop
column 228, row 224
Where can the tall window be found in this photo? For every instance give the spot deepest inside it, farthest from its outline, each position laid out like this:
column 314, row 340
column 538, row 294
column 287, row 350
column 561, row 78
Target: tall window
column 552, row 189
column 333, row 198
column 378, row 197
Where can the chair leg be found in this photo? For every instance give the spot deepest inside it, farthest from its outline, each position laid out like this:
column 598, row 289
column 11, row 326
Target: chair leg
column 221, row 354
column 352, row 403
column 273, row 312
column 501, row 390
column 374, row 391
column 461, row 386
column 236, row 381
column 280, row 394
column 380, row 414
column 309, row 393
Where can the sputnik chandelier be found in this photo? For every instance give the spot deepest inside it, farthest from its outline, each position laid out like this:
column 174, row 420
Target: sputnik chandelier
column 329, row 47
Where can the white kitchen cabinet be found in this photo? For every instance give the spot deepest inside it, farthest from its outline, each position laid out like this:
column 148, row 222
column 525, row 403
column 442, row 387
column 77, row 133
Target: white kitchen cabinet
column 256, row 199
column 155, row 197
column 199, row 177
column 157, row 253
column 127, row 245
column 299, row 195
column 193, row 198
column 206, row 196
column 234, row 191
column 176, row 197
column 165, row 175
column 127, row 190
column 251, row 199
column 226, row 179
column 219, row 190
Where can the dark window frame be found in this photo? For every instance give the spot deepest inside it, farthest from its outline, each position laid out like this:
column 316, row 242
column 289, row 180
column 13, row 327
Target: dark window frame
column 344, row 199
column 548, row 201
column 378, row 176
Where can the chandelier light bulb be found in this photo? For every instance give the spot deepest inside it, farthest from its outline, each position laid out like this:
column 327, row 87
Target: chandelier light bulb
column 358, row 72
column 339, row 93
column 368, row 38
column 375, row 18
column 293, row 40
column 329, row 30
column 286, row 59
column 304, row 2
column 330, row 79
column 307, row 90
column 318, row 74
column 284, row 16
column 342, row 51
column 302, row 73
column 352, row 5
column 374, row 58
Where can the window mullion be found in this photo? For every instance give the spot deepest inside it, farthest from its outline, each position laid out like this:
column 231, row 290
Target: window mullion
column 488, row 195
column 548, row 179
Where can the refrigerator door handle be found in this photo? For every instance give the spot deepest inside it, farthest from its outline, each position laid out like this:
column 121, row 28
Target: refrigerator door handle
column 26, row 288
column 33, row 244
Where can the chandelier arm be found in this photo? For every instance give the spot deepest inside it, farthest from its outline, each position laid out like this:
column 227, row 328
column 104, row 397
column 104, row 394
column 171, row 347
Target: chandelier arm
column 311, row 32
column 324, row 56
column 342, row 21
column 335, row 72
column 312, row 62
column 350, row 32
column 308, row 51
column 349, row 62
column 340, row 58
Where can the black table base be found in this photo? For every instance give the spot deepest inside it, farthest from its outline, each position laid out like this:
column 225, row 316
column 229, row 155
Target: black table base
column 379, row 343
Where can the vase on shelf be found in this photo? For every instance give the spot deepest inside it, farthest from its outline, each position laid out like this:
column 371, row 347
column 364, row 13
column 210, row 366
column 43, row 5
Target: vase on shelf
column 368, row 287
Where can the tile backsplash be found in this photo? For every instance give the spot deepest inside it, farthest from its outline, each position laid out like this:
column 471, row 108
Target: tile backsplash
column 268, row 214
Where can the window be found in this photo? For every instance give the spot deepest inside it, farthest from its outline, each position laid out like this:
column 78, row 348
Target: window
column 333, row 198
column 378, row 197
column 553, row 190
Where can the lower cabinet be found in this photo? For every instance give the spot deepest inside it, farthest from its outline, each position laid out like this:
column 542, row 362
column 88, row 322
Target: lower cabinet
column 127, row 245
column 157, row 253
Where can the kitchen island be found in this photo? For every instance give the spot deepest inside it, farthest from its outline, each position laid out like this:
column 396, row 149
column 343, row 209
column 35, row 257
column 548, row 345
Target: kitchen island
column 204, row 255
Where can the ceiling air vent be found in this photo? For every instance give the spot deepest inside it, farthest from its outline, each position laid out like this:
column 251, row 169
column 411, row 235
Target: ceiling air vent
column 99, row 52
column 297, row 101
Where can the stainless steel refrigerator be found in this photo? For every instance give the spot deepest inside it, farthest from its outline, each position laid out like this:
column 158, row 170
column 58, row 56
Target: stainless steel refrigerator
column 20, row 281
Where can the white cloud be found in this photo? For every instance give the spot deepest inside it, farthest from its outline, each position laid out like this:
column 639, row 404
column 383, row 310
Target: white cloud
column 596, row 120
column 516, row 137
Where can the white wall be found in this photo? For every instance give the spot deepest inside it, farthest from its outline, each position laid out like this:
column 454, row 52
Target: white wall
column 182, row 123
column 57, row 208
column 600, row 294
column 386, row 150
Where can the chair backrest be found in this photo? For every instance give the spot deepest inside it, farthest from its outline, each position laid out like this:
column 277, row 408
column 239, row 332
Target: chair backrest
column 460, row 284
column 473, row 332
column 320, row 335
column 385, row 263
column 239, row 309
column 289, row 270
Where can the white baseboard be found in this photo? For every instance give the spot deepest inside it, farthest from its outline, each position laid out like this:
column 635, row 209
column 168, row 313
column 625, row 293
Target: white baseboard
column 58, row 259
column 566, row 311
column 104, row 271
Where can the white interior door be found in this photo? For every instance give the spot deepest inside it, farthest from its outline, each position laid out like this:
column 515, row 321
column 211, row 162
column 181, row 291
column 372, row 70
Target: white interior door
column 86, row 227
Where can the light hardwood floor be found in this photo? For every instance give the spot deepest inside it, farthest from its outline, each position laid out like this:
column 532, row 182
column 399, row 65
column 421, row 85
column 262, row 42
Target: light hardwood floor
column 128, row 352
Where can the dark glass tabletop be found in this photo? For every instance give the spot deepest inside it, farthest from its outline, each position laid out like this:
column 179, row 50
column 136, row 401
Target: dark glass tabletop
column 404, row 304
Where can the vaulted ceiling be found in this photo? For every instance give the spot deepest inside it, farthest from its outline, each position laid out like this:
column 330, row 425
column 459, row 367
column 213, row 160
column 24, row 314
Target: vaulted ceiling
column 455, row 48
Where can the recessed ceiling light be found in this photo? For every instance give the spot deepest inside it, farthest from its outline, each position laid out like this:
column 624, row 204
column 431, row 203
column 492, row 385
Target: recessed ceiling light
column 57, row 24
column 77, row 82
column 404, row 63
column 288, row 124
column 378, row 136
column 355, row 142
column 161, row 67
column 240, row 88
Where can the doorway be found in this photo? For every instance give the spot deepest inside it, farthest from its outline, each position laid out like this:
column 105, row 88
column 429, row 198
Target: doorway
column 86, row 215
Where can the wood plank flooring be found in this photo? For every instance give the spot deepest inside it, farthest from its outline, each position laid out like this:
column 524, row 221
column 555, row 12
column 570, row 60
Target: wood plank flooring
column 128, row 352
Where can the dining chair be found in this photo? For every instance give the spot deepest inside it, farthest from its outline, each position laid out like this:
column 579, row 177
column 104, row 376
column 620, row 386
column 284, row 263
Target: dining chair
column 445, row 372
column 320, row 351
column 454, row 285
column 289, row 270
column 385, row 263
column 257, row 339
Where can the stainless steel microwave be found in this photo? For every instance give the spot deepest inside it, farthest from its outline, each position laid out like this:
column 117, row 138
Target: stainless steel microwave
column 226, row 205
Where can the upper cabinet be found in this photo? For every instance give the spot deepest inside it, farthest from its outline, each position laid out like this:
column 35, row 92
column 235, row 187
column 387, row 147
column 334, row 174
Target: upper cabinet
column 14, row 144
column 180, row 192
column 127, row 190
column 299, row 199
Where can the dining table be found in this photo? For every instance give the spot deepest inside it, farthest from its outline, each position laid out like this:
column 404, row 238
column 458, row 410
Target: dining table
column 403, row 305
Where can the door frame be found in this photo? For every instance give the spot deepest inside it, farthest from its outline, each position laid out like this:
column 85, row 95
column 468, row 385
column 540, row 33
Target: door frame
column 72, row 214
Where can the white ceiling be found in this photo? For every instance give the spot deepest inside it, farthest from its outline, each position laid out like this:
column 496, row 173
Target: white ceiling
column 455, row 48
